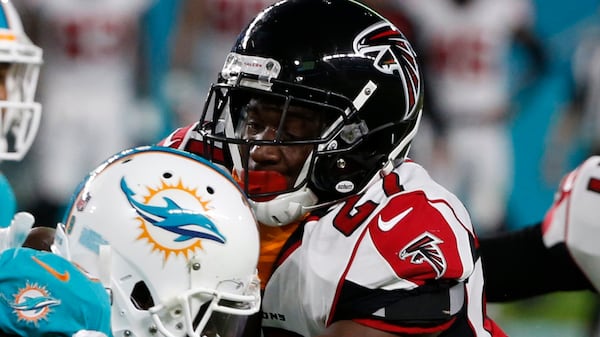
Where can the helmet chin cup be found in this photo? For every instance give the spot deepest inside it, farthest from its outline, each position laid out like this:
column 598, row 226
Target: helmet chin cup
column 285, row 208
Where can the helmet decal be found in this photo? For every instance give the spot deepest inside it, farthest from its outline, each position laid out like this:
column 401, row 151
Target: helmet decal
column 187, row 227
column 391, row 54
column 32, row 303
column 3, row 19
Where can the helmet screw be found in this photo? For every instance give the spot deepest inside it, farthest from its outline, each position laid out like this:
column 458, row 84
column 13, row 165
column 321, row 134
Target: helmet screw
column 341, row 163
column 196, row 266
column 368, row 91
column 126, row 333
column 153, row 329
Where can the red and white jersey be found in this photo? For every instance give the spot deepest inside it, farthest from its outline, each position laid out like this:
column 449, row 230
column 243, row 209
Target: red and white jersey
column 572, row 220
column 404, row 244
column 466, row 48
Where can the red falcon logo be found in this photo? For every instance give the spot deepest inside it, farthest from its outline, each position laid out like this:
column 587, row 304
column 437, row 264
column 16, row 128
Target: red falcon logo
column 391, row 54
column 425, row 249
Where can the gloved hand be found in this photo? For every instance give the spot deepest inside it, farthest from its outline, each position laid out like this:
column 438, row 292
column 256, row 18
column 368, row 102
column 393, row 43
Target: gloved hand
column 14, row 235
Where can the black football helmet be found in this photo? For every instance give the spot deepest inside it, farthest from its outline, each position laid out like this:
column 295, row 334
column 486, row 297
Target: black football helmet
column 338, row 58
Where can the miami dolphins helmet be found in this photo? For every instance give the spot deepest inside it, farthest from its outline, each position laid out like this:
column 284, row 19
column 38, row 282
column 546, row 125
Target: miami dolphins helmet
column 173, row 239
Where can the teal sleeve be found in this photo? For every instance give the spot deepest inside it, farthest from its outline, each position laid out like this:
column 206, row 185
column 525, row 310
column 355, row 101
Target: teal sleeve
column 8, row 202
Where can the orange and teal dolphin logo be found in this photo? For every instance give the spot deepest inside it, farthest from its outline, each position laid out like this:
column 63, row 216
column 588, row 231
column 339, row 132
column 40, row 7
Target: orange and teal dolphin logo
column 187, row 223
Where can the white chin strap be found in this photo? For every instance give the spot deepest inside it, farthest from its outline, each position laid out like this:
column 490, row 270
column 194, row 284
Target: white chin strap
column 285, row 208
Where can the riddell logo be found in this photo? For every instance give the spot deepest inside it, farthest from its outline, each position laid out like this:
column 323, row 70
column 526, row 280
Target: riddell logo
column 344, row 186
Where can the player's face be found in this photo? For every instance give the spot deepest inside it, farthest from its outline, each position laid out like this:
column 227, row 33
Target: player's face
column 263, row 122
column 4, row 68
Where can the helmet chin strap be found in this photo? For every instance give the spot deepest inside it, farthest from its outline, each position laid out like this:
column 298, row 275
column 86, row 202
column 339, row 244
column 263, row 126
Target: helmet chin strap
column 285, row 208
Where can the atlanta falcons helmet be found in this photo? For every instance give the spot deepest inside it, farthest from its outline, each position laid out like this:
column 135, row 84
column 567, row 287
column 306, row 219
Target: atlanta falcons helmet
column 20, row 62
column 172, row 238
column 348, row 64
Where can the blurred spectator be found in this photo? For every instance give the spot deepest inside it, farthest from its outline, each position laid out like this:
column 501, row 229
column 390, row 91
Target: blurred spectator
column 88, row 89
column 204, row 35
column 575, row 132
column 465, row 45
column 586, row 100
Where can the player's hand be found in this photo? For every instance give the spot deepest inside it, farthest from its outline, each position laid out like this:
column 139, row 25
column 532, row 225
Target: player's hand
column 14, row 235
column 40, row 238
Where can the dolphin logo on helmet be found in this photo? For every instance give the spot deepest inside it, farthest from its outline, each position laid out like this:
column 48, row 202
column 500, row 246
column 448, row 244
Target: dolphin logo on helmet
column 187, row 223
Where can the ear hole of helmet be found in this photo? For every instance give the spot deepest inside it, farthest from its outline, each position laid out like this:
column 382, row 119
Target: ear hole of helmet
column 141, row 297
column 337, row 175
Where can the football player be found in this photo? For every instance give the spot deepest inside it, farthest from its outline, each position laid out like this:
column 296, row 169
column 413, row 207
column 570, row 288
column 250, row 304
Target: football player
column 20, row 62
column 315, row 120
column 464, row 45
column 42, row 294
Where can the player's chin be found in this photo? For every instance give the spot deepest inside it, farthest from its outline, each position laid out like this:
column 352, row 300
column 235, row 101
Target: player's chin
column 40, row 238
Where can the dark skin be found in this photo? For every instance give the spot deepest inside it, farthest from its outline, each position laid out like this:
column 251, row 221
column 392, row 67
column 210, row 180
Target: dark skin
column 4, row 68
column 262, row 123
column 40, row 238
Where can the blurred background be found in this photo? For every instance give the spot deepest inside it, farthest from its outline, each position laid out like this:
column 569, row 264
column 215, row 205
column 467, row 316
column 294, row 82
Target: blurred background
column 122, row 73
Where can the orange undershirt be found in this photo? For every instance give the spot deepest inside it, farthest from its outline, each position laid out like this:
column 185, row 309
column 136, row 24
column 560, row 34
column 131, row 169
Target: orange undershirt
column 272, row 240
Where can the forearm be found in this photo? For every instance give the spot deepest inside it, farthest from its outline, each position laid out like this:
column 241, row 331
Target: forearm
column 517, row 265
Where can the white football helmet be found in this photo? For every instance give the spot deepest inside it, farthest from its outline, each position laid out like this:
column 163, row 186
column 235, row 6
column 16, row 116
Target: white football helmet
column 20, row 114
column 174, row 240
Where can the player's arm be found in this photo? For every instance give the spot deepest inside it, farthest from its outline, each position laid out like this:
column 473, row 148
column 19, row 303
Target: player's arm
column 525, row 36
column 349, row 328
column 559, row 254
column 517, row 265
